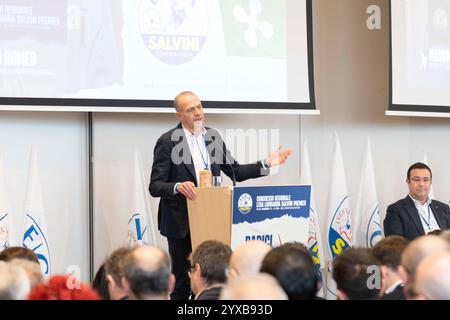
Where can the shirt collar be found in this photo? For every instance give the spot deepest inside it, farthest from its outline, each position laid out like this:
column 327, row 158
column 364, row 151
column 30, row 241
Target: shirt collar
column 393, row 286
column 188, row 134
column 418, row 203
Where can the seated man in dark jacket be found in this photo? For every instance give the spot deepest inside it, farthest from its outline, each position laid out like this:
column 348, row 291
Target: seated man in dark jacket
column 417, row 214
column 209, row 264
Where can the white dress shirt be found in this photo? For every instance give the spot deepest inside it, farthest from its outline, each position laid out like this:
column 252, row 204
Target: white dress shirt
column 197, row 147
column 426, row 215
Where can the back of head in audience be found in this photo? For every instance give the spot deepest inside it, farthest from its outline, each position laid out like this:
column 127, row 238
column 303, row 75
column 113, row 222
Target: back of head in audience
column 114, row 272
column 14, row 283
column 260, row 286
column 414, row 253
column 353, row 270
column 209, row 264
column 246, row 258
column 147, row 274
column 18, row 252
column 432, row 280
column 63, row 287
column 388, row 252
column 446, row 236
column 292, row 265
column 33, row 270
column 99, row 284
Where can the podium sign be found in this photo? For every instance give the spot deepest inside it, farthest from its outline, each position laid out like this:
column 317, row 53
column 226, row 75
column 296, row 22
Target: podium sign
column 273, row 214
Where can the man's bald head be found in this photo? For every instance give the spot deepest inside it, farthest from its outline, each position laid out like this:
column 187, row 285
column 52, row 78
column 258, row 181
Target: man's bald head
column 147, row 273
column 414, row 253
column 260, row 286
column 433, row 277
column 247, row 258
column 150, row 258
column 177, row 102
column 421, row 248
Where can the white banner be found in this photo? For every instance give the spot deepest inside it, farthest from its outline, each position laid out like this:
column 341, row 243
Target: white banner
column 141, row 229
column 35, row 231
column 339, row 225
column 367, row 214
column 314, row 236
column 6, row 228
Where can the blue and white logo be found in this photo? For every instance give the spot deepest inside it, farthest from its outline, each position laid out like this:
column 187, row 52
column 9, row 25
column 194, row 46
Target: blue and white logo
column 245, row 203
column 174, row 31
column 4, row 232
column 35, row 239
column 373, row 232
column 136, row 230
column 340, row 231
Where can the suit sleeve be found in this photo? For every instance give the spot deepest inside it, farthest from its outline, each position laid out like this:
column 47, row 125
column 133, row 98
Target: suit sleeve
column 447, row 215
column 392, row 223
column 242, row 171
column 159, row 180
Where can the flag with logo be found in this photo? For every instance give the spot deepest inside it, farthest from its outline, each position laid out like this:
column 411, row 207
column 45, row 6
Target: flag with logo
column 339, row 225
column 6, row 229
column 314, row 234
column 425, row 161
column 35, row 235
column 367, row 215
column 141, row 229
column 254, row 28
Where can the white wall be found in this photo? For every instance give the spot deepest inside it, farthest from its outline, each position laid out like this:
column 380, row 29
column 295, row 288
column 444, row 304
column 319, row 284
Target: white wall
column 60, row 141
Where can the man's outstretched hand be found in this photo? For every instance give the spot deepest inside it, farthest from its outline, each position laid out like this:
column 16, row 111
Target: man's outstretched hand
column 278, row 156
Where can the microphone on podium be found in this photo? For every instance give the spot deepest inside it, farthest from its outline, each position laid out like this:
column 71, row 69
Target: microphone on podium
column 215, row 167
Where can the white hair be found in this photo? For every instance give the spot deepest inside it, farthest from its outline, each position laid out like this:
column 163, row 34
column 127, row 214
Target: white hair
column 14, row 283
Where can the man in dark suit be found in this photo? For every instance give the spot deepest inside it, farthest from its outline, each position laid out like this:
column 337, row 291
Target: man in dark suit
column 388, row 252
column 179, row 156
column 417, row 214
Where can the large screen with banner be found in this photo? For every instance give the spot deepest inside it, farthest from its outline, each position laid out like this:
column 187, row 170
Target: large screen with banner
column 241, row 54
column 420, row 56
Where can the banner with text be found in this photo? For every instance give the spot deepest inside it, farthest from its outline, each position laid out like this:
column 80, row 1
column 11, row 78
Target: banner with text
column 273, row 214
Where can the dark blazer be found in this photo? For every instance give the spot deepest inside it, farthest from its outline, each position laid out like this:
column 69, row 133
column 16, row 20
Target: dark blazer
column 403, row 219
column 172, row 211
column 397, row 294
column 210, row 294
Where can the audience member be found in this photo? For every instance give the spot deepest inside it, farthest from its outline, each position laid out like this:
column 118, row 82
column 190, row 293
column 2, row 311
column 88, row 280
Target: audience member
column 114, row 272
column 432, row 280
column 18, row 252
column 246, row 259
column 446, row 236
column 209, row 265
column 414, row 253
column 352, row 271
column 292, row 265
column 147, row 274
column 62, row 287
column 33, row 270
column 100, row 285
column 260, row 286
column 14, row 283
column 388, row 252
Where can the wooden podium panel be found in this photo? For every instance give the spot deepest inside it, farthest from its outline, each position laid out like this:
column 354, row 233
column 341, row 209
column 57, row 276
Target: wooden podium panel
column 210, row 215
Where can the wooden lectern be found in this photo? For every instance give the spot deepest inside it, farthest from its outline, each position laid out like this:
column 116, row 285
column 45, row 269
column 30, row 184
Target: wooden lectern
column 210, row 215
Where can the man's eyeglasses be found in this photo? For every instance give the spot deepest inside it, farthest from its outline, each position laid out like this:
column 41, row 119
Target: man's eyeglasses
column 419, row 179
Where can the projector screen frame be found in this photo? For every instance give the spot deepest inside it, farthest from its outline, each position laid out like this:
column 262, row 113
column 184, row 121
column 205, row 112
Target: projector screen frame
column 165, row 106
column 409, row 110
